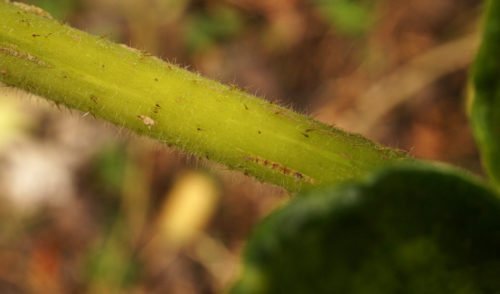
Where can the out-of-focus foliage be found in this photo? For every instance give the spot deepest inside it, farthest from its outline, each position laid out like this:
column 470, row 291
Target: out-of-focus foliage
column 109, row 169
column 486, row 97
column 350, row 17
column 110, row 264
column 216, row 25
column 413, row 229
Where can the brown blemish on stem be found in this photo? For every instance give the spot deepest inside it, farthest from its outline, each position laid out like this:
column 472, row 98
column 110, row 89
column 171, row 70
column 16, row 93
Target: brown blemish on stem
column 10, row 51
column 25, row 21
column 149, row 122
column 156, row 108
column 277, row 167
column 93, row 98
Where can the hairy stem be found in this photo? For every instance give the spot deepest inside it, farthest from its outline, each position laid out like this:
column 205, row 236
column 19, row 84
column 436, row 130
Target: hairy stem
column 132, row 89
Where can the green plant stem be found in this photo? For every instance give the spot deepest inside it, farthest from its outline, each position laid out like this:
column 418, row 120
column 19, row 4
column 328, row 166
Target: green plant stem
column 135, row 90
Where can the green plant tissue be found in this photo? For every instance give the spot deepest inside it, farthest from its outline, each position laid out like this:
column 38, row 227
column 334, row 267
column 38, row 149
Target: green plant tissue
column 409, row 229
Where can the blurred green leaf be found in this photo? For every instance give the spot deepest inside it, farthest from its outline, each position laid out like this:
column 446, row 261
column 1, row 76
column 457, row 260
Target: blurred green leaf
column 350, row 17
column 110, row 266
column 109, row 169
column 211, row 27
column 485, row 113
column 410, row 229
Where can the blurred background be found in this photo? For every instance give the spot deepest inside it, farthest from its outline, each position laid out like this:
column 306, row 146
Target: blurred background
column 86, row 207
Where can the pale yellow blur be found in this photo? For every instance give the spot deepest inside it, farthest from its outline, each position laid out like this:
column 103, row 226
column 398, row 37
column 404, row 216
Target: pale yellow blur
column 12, row 120
column 189, row 207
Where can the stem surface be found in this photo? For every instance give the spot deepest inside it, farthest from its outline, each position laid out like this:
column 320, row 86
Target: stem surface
column 135, row 90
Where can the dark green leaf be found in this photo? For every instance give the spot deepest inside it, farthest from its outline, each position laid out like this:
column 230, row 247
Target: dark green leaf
column 486, row 102
column 410, row 229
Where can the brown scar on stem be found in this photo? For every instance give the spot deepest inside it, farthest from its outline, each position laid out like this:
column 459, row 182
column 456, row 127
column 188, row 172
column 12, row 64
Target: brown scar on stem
column 156, row 108
column 93, row 98
column 25, row 21
column 149, row 122
column 277, row 167
column 10, row 51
